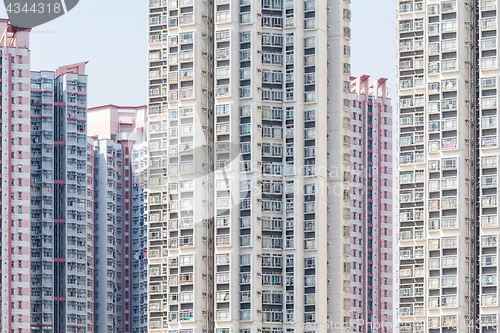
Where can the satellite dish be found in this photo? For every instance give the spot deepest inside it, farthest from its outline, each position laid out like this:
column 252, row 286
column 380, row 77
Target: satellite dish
column 35, row 14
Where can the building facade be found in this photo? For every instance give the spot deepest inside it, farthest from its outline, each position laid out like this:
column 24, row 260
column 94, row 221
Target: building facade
column 248, row 203
column 15, row 57
column 73, row 226
column 448, row 152
column 371, row 181
column 58, row 250
column 120, row 241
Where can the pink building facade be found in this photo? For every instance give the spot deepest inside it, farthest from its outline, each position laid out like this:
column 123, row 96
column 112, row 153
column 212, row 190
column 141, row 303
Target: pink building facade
column 15, row 206
column 119, row 215
column 371, row 206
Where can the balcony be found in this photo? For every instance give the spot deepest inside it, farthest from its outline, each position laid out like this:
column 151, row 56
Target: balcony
column 222, row 91
column 489, row 63
column 489, row 241
column 223, row 17
column 172, row 96
column 488, row 4
column 489, row 23
column 489, row 221
column 489, row 201
column 449, row 144
column 223, row 54
column 449, row 242
column 223, row 240
column 186, row 19
column 186, row 75
column 488, row 280
column 489, row 300
column 449, row 261
column 489, row 162
column 449, row 25
column 489, row 141
column 489, row 260
column 186, row 93
column 449, row 203
column 310, row 244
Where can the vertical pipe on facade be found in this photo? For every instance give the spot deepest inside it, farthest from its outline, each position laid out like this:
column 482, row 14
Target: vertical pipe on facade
column 210, row 167
column 9, row 178
column 475, row 165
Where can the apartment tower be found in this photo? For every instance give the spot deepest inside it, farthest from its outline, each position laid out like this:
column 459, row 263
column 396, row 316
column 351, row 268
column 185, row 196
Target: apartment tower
column 15, row 83
column 448, row 156
column 120, row 231
column 247, row 204
column 371, row 197
column 59, row 264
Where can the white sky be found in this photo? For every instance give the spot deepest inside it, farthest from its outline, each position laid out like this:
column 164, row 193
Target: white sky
column 112, row 36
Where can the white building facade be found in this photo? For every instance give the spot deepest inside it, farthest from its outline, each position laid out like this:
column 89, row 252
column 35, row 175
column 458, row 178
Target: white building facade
column 247, row 202
column 448, row 153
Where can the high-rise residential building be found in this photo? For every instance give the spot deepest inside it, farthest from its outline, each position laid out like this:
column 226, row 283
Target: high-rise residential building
column 15, row 63
column 448, row 165
column 120, row 231
column 248, row 203
column 371, row 197
column 59, row 261
column 73, row 227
